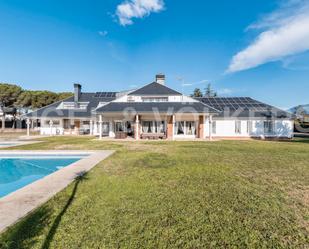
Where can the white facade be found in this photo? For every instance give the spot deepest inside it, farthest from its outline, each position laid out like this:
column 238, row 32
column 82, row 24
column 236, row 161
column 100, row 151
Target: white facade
column 250, row 128
column 196, row 124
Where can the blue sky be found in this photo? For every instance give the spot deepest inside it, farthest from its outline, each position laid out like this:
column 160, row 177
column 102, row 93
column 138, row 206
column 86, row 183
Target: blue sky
column 256, row 48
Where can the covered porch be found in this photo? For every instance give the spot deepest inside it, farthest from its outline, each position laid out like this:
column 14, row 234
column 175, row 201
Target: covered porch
column 155, row 127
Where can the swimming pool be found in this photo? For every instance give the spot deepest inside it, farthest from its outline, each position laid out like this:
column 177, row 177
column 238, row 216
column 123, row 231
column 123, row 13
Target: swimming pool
column 2, row 145
column 17, row 171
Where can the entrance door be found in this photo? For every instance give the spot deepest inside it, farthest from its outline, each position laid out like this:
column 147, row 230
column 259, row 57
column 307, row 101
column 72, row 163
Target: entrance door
column 76, row 127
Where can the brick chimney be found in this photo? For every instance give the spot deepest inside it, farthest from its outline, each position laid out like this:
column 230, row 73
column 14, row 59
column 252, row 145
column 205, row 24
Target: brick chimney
column 77, row 92
column 160, row 78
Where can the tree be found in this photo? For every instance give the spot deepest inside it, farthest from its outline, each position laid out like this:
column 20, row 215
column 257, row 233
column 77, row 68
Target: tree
column 9, row 94
column 38, row 99
column 209, row 92
column 197, row 93
column 64, row 95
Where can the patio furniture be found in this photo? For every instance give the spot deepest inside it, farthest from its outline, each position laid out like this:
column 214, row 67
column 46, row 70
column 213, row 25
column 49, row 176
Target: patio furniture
column 153, row 136
column 121, row 135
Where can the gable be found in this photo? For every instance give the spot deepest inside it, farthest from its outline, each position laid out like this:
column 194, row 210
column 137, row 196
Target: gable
column 155, row 89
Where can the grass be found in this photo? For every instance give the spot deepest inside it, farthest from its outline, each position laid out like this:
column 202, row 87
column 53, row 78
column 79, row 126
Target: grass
column 10, row 135
column 227, row 194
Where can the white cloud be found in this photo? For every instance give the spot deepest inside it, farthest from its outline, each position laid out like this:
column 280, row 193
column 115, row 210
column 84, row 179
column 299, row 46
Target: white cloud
column 130, row 9
column 285, row 33
column 195, row 83
column 103, row 33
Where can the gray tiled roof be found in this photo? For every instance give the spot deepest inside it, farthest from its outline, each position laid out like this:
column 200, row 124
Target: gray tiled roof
column 52, row 111
column 155, row 89
column 243, row 107
column 161, row 107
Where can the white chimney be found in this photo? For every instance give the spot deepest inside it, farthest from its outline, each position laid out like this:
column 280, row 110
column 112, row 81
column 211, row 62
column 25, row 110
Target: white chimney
column 160, row 78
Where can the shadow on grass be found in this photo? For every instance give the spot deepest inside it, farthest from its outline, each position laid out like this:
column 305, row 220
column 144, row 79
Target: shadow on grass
column 25, row 233
column 49, row 238
column 300, row 140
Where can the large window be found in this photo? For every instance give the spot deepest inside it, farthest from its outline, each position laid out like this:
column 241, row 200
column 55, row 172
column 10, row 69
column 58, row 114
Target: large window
column 180, row 128
column 153, row 126
column 119, row 127
column 105, row 127
column 73, row 105
column 238, row 127
column 268, row 127
column 147, row 127
column 185, row 128
column 190, row 128
column 155, row 99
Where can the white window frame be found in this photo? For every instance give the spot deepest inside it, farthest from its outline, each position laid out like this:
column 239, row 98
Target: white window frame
column 185, row 132
column 237, row 126
column 270, row 126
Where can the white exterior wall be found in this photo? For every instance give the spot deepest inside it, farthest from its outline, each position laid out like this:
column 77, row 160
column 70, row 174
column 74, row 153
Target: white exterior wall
column 51, row 131
column 226, row 128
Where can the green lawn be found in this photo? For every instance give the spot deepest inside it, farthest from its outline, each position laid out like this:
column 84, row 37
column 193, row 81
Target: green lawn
column 227, row 194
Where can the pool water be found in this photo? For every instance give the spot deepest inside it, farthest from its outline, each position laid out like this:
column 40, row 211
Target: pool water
column 7, row 144
column 17, row 172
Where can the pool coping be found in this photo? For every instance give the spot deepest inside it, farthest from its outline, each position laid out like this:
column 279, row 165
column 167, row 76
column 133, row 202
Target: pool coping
column 21, row 202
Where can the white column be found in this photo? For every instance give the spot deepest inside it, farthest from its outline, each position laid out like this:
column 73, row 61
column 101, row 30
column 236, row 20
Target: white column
column 91, row 127
column 111, row 129
column 28, row 122
column 210, row 127
column 51, row 127
column 61, row 127
column 100, row 126
column 137, row 127
column 173, row 120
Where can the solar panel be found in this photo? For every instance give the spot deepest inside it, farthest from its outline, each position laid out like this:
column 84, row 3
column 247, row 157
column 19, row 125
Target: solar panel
column 234, row 103
column 105, row 95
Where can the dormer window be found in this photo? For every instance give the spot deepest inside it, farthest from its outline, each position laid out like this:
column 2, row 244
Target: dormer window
column 131, row 99
column 155, row 99
column 73, row 105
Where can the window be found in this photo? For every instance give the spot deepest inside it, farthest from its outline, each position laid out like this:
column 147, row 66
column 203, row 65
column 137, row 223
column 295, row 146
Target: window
column 179, row 128
column 238, row 127
column 268, row 127
column 73, row 105
column 153, row 126
column 54, row 122
column 155, row 99
column 214, row 127
column 159, row 127
column 119, row 127
column 66, row 124
column 131, row 99
column 185, row 128
column 105, row 127
column 147, row 126
column 190, row 128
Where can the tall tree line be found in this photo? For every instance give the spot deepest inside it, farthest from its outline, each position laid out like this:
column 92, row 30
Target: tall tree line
column 14, row 96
